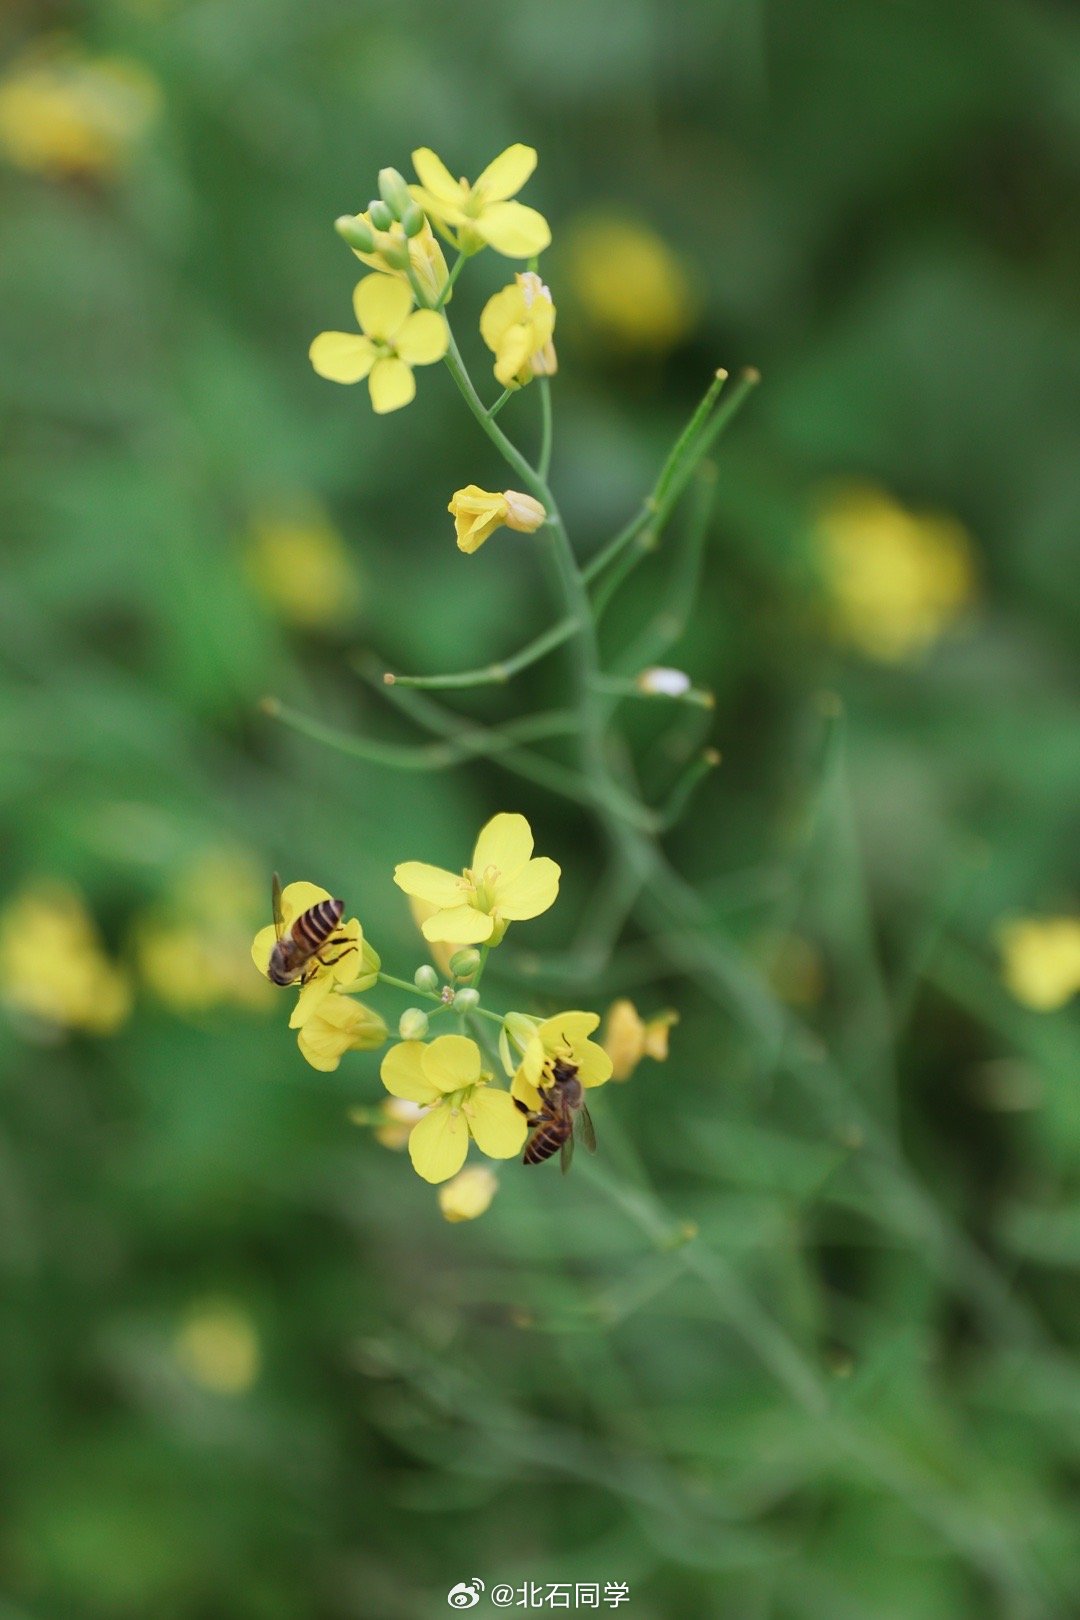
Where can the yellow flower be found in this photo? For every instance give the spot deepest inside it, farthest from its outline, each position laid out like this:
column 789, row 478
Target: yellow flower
column 479, row 512
column 396, row 1118
column 1041, row 960
column 218, row 1348
column 469, row 1194
column 479, row 215
column 300, row 566
column 897, row 579
column 628, row 1038
column 425, row 256
column 64, row 113
column 395, row 338
column 446, row 1078
column 517, row 325
column 566, row 1038
column 503, row 885
column 52, row 966
column 338, row 1026
column 192, row 948
column 347, row 970
column 631, row 286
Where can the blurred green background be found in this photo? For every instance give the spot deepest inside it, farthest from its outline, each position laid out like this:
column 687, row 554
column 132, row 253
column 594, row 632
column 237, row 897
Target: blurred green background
column 246, row 1369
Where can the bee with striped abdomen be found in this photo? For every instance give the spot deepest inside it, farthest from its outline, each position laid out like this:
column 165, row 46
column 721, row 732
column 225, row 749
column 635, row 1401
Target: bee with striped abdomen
column 297, row 952
column 561, row 1117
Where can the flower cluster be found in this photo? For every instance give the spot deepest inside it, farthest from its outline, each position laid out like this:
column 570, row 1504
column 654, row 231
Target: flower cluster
column 446, row 1090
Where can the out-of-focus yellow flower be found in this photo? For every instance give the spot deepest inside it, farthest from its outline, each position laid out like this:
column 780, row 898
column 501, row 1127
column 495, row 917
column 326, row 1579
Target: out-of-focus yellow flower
column 52, row 965
column 630, row 285
column 897, row 579
column 627, row 1037
column 339, row 1026
column 1041, row 960
column 192, row 949
column 564, row 1038
column 396, row 1117
column 425, row 256
column 479, row 512
column 446, row 1078
column 64, row 113
column 300, row 566
column 517, row 324
column 479, row 215
column 395, row 338
column 504, row 884
column 217, row 1346
column 469, row 1194
column 347, row 970
column 440, row 952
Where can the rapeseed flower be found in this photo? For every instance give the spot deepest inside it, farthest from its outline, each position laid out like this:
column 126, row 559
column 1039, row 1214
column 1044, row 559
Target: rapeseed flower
column 53, row 969
column 517, row 324
column 479, row 512
column 470, row 1193
column 630, row 285
column 352, row 965
column 897, row 579
column 480, row 215
column 504, row 884
column 300, row 566
column 1041, row 960
column 339, row 1025
column 565, row 1038
column 628, row 1038
column 395, row 253
column 65, row 114
column 447, row 1078
column 192, row 948
column 396, row 337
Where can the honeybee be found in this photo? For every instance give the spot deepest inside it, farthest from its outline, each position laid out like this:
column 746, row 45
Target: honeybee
column 297, row 952
column 561, row 1117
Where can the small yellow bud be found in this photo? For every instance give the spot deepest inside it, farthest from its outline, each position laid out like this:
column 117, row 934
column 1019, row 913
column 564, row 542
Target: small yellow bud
column 379, row 215
column 523, row 512
column 413, row 1024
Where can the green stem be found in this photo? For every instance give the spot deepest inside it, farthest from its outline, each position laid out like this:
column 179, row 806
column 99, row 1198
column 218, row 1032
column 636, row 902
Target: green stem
column 469, row 743
column 543, row 465
column 498, row 673
column 624, row 686
column 455, row 271
column 499, row 403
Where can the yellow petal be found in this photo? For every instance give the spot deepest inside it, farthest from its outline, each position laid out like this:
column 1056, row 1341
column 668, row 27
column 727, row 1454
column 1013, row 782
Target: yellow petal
column 342, row 357
column 442, row 210
column 435, row 177
column 382, row 305
column 506, row 174
column 514, row 230
column 296, row 898
column 498, row 1128
column 513, row 356
column 506, row 843
column 593, row 1064
column 524, row 1088
column 469, row 1194
column 391, row 385
column 431, row 883
column 423, row 338
column 459, row 925
column 529, row 892
column 438, row 1144
column 451, row 1062
column 504, row 309
column 262, row 945
column 402, row 1073
column 311, row 998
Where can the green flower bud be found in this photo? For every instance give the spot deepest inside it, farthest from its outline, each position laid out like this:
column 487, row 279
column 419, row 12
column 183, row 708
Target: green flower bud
column 463, row 964
column 413, row 1024
column 394, row 192
column 412, row 219
column 466, row 1000
column 356, row 232
column 379, row 215
column 425, row 977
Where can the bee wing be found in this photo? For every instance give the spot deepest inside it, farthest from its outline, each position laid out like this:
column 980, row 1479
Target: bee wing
column 586, row 1129
column 275, row 899
column 566, row 1152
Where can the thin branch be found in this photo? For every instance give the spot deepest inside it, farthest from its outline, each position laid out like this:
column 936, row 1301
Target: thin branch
column 498, row 673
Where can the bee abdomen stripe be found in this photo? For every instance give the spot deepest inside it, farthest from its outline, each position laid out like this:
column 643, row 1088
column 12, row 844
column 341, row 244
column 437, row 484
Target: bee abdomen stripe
column 318, row 923
column 544, row 1144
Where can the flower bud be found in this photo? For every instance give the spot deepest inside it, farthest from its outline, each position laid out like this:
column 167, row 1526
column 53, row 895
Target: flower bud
column 466, row 1000
column 463, row 964
column 394, row 192
column 379, row 215
column 413, row 1024
column 519, row 1028
column 523, row 512
column 659, row 682
column 425, row 977
column 412, row 219
column 356, row 232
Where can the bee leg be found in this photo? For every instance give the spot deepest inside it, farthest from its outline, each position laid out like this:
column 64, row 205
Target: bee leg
column 530, row 1118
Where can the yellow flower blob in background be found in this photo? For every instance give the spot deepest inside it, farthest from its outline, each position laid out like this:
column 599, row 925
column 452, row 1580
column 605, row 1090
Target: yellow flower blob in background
column 217, row 1346
column 191, row 949
column 469, row 1195
column 53, row 969
column 631, row 288
column 66, row 114
column 897, row 580
column 628, row 1038
column 300, row 566
column 1041, row 960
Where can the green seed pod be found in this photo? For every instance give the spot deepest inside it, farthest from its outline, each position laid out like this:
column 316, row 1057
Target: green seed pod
column 425, row 977
column 356, row 232
column 413, row 1024
column 466, row 1000
column 463, row 964
column 394, row 192
column 379, row 215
